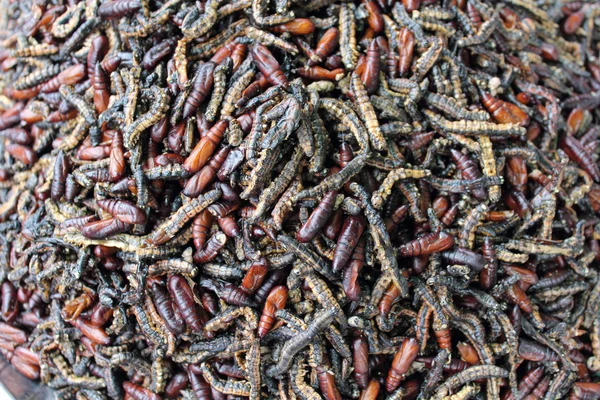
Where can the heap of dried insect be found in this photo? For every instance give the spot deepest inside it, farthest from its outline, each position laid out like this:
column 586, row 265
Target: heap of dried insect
column 301, row 199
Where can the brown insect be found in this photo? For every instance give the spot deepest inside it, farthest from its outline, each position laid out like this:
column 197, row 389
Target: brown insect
column 402, row 361
column 123, row 211
column 183, row 299
column 268, row 65
column 205, row 148
column 276, row 300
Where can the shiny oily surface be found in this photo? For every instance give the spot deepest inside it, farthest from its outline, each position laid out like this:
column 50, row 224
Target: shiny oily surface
column 305, row 199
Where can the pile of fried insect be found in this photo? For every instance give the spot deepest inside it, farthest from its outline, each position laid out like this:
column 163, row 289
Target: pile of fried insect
column 301, row 199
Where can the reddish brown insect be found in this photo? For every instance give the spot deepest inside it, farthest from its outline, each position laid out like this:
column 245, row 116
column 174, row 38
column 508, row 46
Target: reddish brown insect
column 203, row 83
column 22, row 153
column 206, row 147
column 317, row 73
column 166, row 309
column 586, row 390
column 104, row 228
column 211, row 249
column 360, row 357
column 298, row 26
column 469, row 170
column 268, row 65
column 101, row 93
column 74, row 307
column 334, row 225
column 61, row 170
column 427, row 244
column 157, row 53
column 517, row 296
column 517, row 202
column 123, row 210
column 116, row 166
column 12, row 334
column 391, row 294
column 260, row 84
column 580, row 155
column 401, row 363
column 199, row 385
column 349, row 236
column 405, row 50
column 371, row 392
column 200, row 228
column 94, row 333
column 516, row 173
column 90, row 153
column 69, row 76
column 118, row 9
column 573, row 22
column 9, row 307
column 533, row 351
column 255, row 276
column 135, row 391
column 468, row 353
column 504, row 112
column 238, row 55
column 184, row 301
column 17, row 135
column 527, row 383
column 575, row 120
column 29, row 370
column 229, row 226
column 325, row 46
column 352, row 272
column 318, row 218
column 444, row 338
column 375, row 18
column 488, row 275
column 527, row 277
column 100, row 315
column 11, row 116
column 411, row 5
column 440, row 206
column 276, row 300
column 549, row 52
column 326, row 380
column 473, row 15
column 229, row 293
column 200, row 181
column 370, row 75
column 176, row 384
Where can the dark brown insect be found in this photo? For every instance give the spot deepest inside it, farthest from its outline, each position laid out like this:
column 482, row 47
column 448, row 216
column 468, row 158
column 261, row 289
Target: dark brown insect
column 69, row 76
column 427, row 244
column 580, row 155
column 101, row 94
column 104, row 228
column 166, row 309
column 317, row 219
column 201, row 86
column 59, row 179
column 183, row 299
column 268, row 65
column 123, row 210
column 360, row 358
column 135, row 391
column 118, row 9
column 348, row 239
column 9, row 307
